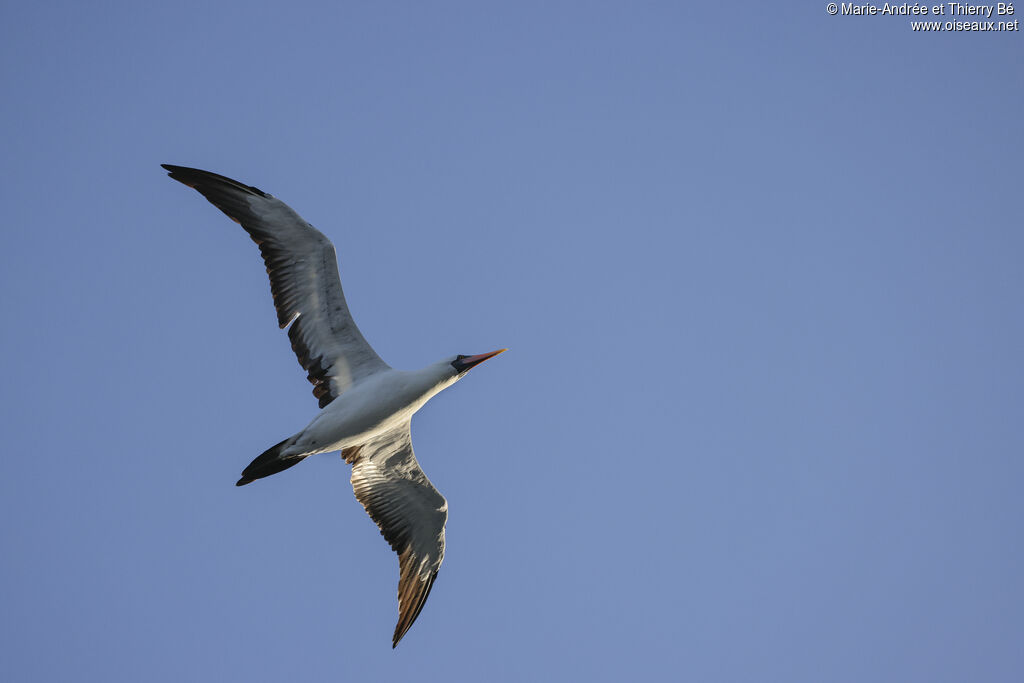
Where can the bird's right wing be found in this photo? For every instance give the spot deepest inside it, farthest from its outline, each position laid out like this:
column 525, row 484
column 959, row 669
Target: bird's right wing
column 304, row 280
column 410, row 512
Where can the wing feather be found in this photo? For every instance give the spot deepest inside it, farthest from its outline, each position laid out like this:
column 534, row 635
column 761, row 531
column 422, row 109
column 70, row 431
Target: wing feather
column 304, row 282
column 410, row 512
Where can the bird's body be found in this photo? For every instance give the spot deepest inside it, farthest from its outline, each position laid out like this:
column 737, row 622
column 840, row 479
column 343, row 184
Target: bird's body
column 365, row 405
column 370, row 408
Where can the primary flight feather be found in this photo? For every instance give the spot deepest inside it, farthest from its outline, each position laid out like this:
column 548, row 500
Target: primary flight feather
column 365, row 405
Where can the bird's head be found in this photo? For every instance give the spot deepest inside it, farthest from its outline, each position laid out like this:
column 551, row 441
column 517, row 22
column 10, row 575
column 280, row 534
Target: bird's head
column 448, row 371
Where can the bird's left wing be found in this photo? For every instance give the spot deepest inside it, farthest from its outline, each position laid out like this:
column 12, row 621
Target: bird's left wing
column 410, row 512
column 304, row 280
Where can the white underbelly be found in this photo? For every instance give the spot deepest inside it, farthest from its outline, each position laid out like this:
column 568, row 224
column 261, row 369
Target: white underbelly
column 349, row 424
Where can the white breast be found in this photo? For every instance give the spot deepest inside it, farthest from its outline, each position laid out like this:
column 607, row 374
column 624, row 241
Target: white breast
column 367, row 410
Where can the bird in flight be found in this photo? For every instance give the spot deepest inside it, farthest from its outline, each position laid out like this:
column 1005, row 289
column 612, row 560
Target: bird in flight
column 365, row 405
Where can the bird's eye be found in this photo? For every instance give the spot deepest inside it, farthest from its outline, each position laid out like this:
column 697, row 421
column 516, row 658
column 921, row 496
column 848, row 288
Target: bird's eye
column 460, row 357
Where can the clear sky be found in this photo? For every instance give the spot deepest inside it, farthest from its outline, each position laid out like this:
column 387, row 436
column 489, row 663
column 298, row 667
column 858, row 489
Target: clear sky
column 759, row 269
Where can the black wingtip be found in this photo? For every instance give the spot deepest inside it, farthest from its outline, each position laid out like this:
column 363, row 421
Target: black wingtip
column 172, row 169
column 194, row 177
column 183, row 174
column 243, row 481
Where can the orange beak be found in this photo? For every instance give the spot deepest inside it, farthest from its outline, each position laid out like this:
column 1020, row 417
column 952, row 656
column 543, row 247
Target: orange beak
column 471, row 361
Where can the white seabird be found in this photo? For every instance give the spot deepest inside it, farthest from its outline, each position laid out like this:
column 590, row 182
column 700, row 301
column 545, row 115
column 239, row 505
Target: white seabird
column 365, row 405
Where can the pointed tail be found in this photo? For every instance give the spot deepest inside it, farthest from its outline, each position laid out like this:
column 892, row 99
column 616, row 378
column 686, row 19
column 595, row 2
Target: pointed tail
column 269, row 462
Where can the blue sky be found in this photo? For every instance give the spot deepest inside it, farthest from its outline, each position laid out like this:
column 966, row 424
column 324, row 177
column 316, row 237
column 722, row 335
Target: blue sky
column 758, row 268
